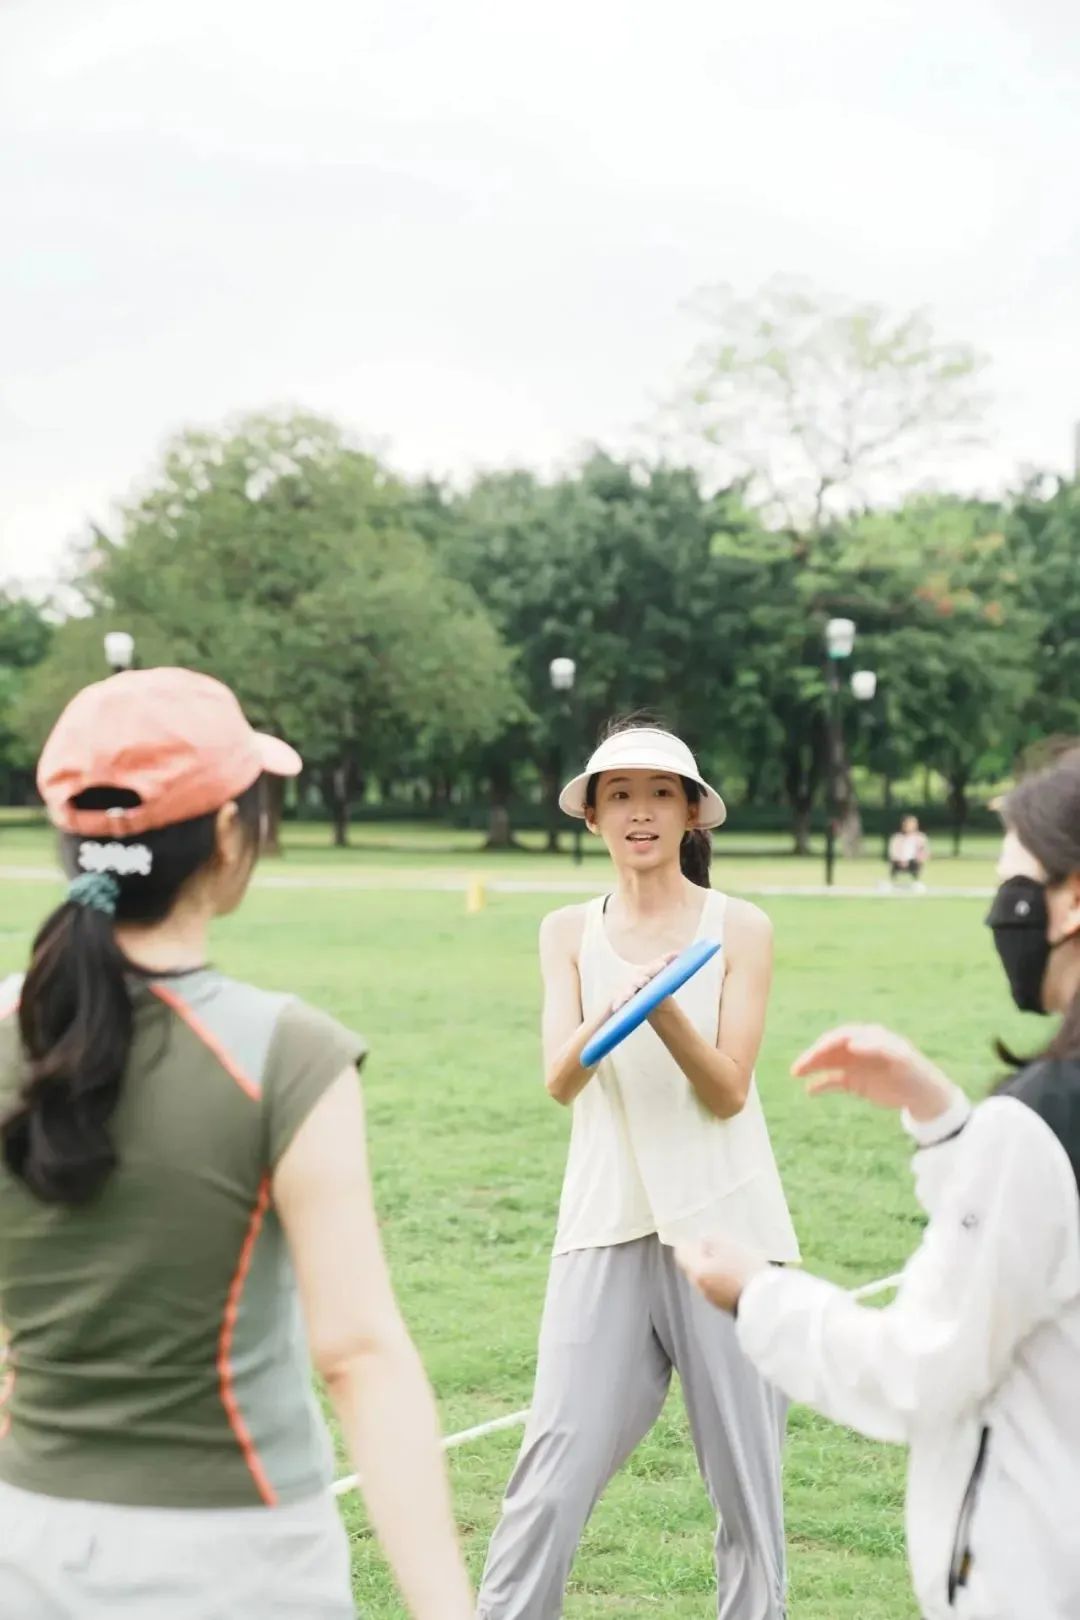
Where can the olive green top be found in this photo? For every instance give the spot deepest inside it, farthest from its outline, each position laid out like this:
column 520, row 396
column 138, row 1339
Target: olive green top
column 156, row 1351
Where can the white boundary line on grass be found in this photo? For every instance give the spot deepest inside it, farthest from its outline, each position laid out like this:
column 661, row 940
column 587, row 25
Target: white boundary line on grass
column 516, row 1420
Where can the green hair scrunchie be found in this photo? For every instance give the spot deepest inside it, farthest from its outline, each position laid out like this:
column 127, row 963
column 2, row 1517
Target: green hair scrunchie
column 97, row 891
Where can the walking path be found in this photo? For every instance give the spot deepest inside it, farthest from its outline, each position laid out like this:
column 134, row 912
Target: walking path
column 425, row 880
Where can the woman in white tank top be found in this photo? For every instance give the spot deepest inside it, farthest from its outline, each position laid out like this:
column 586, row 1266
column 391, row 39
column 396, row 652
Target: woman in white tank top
column 668, row 1144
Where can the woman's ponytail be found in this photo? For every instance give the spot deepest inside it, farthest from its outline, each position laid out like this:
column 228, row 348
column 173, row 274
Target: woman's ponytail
column 695, row 856
column 75, row 1020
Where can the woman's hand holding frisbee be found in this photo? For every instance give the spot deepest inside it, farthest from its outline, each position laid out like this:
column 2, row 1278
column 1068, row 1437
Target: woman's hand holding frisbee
column 645, row 994
column 642, row 976
column 870, row 1061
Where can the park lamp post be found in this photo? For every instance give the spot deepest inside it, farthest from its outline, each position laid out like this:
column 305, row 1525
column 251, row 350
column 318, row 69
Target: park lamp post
column 563, row 672
column 119, row 651
column 865, row 689
column 839, row 644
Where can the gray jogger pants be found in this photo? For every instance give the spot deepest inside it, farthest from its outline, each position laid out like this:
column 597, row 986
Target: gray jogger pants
column 615, row 1322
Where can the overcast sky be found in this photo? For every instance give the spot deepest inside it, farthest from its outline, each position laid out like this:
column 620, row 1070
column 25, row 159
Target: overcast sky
column 469, row 229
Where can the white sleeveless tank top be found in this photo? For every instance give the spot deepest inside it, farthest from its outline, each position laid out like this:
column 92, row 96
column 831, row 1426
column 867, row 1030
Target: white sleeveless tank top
column 646, row 1155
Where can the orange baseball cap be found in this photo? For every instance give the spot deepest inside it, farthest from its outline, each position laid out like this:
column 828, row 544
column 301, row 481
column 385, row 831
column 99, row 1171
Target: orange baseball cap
column 178, row 740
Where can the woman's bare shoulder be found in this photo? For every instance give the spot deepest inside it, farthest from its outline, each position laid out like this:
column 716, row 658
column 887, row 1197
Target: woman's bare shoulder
column 747, row 924
column 561, row 931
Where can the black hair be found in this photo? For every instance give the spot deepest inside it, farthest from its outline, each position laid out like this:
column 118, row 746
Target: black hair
column 695, row 851
column 75, row 1012
column 1044, row 812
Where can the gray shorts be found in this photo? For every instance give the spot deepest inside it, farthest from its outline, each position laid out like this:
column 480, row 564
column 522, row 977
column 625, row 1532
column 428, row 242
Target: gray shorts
column 62, row 1560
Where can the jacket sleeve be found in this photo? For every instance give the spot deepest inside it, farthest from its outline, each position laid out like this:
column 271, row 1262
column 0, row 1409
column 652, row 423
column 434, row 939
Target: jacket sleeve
column 1000, row 1255
column 941, row 1143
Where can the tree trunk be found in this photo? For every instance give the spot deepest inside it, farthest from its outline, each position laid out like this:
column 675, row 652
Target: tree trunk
column 500, row 833
column 848, row 818
column 441, row 793
column 755, row 770
column 275, row 808
column 341, row 822
column 958, row 807
column 335, row 787
column 800, row 826
column 849, row 831
column 802, row 772
column 886, row 815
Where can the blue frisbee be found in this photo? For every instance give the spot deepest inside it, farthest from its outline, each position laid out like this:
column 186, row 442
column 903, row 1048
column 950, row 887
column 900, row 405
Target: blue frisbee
column 637, row 1009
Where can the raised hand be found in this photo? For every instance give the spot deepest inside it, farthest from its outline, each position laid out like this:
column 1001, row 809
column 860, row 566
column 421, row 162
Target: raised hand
column 870, row 1061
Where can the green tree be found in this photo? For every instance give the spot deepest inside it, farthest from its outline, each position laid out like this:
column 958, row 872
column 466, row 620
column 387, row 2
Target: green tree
column 615, row 567
column 25, row 635
column 1040, row 573
column 952, row 642
column 820, row 407
column 279, row 556
column 922, row 585
column 75, row 658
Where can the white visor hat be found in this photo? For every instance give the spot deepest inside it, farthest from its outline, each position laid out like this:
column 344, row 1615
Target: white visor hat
column 644, row 749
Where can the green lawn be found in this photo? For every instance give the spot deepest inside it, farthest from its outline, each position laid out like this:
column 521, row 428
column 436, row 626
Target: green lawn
column 397, row 853
column 468, row 1154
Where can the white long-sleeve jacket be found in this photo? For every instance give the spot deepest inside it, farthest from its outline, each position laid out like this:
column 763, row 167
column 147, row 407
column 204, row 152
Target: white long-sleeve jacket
column 976, row 1363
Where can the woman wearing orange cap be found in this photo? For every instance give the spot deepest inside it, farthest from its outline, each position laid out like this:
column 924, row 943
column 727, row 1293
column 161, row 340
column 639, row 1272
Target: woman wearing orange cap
column 186, row 1219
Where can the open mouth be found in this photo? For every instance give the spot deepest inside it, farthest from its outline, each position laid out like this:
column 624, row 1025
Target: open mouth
column 641, row 838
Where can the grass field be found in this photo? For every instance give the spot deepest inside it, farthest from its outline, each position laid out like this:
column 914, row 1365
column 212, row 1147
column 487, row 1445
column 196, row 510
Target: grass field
column 393, row 853
column 468, row 1152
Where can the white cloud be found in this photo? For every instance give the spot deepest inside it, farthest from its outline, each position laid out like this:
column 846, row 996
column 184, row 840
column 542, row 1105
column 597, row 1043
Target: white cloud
column 469, row 229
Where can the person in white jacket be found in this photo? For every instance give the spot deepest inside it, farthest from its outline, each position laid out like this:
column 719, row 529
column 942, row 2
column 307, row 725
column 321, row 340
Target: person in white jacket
column 976, row 1363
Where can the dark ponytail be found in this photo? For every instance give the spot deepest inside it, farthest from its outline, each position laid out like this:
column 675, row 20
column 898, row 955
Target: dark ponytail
column 695, row 851
column 75, row 1010
column 75, row 1022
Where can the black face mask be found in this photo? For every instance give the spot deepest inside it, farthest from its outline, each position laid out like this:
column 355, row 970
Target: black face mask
column 1019, row 920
